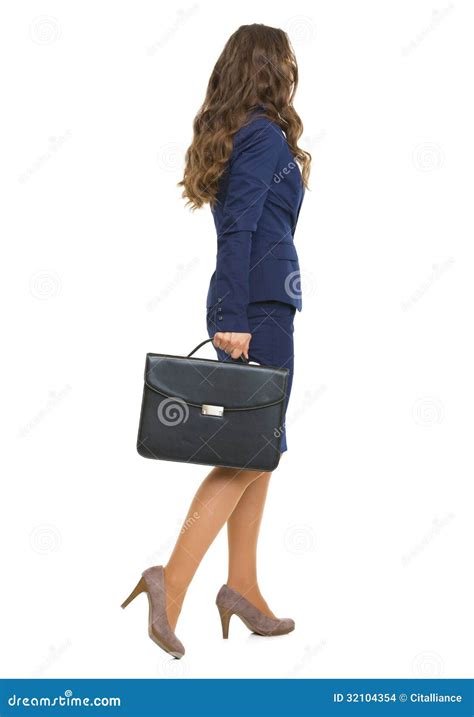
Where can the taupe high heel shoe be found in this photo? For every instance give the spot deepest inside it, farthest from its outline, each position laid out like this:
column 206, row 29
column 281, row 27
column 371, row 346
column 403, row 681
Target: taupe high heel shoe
column 229, row 602
column 152, row 583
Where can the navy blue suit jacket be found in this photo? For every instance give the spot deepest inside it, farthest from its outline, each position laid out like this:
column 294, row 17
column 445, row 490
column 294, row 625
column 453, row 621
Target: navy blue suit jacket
column 255, row 215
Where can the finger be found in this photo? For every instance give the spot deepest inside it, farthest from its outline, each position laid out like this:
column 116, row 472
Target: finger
column 222, row 340
column 246, row 348
column 226, row 343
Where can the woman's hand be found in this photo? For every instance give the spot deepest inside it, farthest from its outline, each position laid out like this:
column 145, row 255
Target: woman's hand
column 236, row 345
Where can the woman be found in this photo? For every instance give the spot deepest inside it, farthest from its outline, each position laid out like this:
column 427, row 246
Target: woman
column 243, row 161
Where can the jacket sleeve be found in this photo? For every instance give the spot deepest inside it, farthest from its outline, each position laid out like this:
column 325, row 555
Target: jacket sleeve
column 252, row 167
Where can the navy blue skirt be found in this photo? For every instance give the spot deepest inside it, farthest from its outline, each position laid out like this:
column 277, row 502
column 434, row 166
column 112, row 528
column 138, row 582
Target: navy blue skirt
column 271, row 326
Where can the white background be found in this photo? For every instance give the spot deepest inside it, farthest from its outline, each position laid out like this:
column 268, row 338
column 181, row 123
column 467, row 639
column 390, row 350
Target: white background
column 367, row 531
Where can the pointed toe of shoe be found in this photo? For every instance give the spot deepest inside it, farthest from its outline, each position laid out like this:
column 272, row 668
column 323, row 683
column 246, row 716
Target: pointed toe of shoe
column 168, row 641
column 230, row 602
column 286, row 625
column 177, row 649
column 275, row 627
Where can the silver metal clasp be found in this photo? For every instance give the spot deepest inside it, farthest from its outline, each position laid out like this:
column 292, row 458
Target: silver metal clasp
column 207, row 410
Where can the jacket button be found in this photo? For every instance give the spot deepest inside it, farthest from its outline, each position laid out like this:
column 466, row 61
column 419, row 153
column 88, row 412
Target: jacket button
column 220, row 318
column 219, row 299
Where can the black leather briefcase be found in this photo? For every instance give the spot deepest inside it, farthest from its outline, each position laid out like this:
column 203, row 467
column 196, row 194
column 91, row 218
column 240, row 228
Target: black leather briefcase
column 220, row 413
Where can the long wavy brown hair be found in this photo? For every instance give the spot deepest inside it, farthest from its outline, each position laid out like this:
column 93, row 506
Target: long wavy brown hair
column 257, row 71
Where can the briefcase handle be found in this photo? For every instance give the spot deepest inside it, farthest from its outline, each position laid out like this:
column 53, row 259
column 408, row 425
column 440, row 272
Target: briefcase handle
column 207, row 341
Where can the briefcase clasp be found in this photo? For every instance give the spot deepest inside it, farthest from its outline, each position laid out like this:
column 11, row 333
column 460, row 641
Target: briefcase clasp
column 207, row 410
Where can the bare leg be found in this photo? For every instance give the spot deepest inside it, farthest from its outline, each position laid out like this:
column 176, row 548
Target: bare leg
column 243, row 528
column 211, row 507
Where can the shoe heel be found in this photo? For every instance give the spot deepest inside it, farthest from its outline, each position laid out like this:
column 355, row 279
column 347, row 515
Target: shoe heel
column 140, row 588
column 225, row 619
